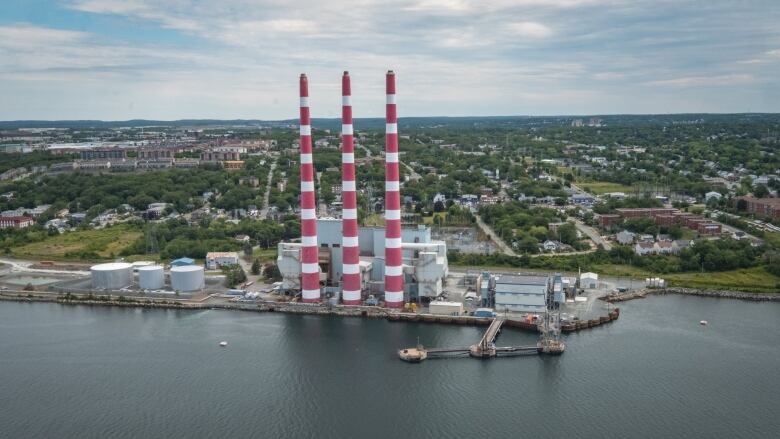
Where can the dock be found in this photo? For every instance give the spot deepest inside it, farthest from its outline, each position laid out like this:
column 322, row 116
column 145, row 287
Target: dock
column 485, row 348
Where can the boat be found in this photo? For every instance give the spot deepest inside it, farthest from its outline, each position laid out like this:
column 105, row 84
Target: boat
column 703, row 323
column 223, row 343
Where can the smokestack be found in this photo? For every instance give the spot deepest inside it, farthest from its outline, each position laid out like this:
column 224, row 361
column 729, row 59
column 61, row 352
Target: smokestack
column 310, row 269
column 394, row 281
column 349, row 225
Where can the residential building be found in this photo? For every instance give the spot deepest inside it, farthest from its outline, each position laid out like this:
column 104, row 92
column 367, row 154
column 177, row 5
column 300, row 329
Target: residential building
column 768, row 207
column 216, row 260
column 16, row 222
column 103, row 154
column 233, row 165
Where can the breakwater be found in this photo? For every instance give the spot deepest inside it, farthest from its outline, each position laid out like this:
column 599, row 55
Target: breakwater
column 723, row 294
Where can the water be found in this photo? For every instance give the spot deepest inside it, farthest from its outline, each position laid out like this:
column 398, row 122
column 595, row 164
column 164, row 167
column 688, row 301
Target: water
column 81, row 372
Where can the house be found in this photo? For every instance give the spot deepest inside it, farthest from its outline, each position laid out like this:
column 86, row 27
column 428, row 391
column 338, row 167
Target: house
column 215, row 260
column 242, row 238
column 625, row 237
column 550, row 246
column 15, row 222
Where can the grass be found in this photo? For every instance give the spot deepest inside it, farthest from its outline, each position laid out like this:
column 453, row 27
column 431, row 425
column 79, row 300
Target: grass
column 602, row 187
column 374, row 220
column 104, row 243
column 264, row 254
column 429, row 219
column 755, row 279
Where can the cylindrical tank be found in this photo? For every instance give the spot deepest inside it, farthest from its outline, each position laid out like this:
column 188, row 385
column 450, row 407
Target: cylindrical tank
column 187, row 278
column 151, row 277
column 111, row 276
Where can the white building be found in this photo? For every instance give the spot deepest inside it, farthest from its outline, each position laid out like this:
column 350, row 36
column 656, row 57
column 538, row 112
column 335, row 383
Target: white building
column 589, row 280
column 524, row 294
column 215, row 260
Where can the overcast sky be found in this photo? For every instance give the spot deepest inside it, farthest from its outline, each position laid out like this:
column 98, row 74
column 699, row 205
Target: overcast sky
column 173, row 59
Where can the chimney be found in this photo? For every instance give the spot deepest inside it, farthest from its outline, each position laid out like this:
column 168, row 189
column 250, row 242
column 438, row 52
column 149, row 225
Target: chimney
column 394, row 281
column 350, row 284
column 310, row 268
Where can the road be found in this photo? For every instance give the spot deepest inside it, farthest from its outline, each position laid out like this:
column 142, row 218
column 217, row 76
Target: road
column 267, row 195
column 494, row 237
column 25, row 267
column 593, row 234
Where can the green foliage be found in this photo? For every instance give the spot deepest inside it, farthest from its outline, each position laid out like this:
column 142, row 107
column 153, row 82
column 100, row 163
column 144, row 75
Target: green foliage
column 234, row 275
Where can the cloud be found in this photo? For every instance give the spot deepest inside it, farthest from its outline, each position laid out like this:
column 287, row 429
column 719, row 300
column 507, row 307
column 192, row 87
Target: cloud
column 530, row 29
column 700, row 81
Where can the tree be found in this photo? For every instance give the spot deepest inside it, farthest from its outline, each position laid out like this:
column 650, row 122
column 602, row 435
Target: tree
column 256, row 267
column 567, row 233
column 248, row 249
column 760, row 191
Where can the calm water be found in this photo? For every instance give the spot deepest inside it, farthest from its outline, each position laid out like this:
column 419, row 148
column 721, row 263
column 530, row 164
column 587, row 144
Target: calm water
column 81, row 372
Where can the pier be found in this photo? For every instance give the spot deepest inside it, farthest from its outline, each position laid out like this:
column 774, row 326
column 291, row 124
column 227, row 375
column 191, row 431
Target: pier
column 485, row 348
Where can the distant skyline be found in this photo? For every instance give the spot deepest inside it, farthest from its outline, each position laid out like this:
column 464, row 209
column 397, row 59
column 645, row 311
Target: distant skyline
column 240, row 59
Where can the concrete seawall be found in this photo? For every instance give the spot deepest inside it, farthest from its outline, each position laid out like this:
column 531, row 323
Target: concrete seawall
column 723, row 294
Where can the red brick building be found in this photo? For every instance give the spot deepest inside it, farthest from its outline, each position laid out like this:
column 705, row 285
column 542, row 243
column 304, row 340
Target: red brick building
column 768, row 207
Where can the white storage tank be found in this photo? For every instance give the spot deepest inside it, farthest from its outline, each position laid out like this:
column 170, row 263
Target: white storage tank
column 187, row 278
column 151, row 277
column 111, row 276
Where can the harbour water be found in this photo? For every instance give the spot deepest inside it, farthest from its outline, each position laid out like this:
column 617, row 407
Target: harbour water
column 96, row 372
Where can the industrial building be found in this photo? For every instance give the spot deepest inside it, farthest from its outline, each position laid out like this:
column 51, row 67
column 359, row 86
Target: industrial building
column 424, row 260
column 402, row 264
column 524, row 294
column 216, row 260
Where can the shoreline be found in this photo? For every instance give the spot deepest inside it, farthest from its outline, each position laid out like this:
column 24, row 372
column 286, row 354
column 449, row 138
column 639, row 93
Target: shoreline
column 718, row 294
column 296, row 308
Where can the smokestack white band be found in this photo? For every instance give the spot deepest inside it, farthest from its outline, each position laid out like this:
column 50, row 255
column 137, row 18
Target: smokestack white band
column 304, row 101
column 351, row 295
column 391, row 99
column 349, row 241
column 351, row 269
column 349, row 214
column 393, row 214
column 346, row 101
column 308, row 214
column 310, row 268
column 348, row 157
column 391, row 128
column 310, row 294
column 394, row 297
column 348, row 186
column 306, row 130
column 392, row 186
column 307, row 186
column 346, row 129
column 391, row 157
column 309, row 241
column 394, row 271
column 306, row 158
column 392, row 242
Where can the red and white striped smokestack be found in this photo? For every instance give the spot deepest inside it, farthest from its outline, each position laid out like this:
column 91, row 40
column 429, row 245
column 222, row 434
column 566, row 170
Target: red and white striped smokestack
column 394, row 280
column 310, row 269
column 350, row 283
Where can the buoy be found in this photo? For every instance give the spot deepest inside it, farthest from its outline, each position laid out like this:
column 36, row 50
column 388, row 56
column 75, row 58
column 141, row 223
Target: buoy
column 223, row 343
column 703, row 323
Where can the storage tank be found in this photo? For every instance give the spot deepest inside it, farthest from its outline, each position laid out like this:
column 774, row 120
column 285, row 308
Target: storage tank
column 187, row 278
column 111, row 276
column 151, row 277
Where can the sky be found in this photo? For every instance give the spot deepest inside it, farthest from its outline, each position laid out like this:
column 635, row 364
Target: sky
column 229, row 59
